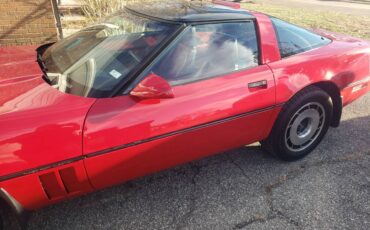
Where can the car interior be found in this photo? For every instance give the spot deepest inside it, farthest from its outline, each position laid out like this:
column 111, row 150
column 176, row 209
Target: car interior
column 200, row 53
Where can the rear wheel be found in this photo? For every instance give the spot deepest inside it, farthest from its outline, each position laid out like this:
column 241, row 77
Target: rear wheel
column 301, row 125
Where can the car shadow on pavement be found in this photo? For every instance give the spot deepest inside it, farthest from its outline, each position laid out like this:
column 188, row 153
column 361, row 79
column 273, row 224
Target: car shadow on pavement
column 236, row 189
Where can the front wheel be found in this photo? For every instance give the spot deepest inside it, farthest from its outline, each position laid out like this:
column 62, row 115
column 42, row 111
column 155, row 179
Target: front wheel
column 1, row 222
column 8, row 220
column 301, row 125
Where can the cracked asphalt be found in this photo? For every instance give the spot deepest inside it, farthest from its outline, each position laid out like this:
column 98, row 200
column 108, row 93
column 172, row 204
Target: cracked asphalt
column 240, row 189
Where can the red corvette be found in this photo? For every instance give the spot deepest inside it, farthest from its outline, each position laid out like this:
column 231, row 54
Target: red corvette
column 153, row 87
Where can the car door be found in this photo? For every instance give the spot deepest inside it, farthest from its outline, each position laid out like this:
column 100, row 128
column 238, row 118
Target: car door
column 223, row 98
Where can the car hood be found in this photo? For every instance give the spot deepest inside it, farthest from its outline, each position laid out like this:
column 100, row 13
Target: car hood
column 19, row 72
column 36, row 120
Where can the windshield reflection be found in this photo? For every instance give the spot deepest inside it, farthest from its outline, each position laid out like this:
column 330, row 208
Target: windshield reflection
column 92, row 62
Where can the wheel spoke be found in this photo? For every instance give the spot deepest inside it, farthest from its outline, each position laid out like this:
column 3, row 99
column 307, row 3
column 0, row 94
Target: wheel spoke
column 304, row 127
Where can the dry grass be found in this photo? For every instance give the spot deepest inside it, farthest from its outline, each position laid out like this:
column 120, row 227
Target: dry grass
column 358, row 26
column 96, row 9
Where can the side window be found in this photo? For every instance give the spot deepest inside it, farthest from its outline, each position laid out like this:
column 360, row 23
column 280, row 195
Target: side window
column 211, row 50
column 293, row 39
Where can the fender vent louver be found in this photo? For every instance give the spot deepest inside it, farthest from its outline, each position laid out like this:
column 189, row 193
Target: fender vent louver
column 52, row 186
column 70, row 180
column 61, row 183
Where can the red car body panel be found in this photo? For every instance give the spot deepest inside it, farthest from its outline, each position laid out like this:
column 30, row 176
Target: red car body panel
column 120, row 122
column 30, row 193
column 342, row 63
column 17, row 65
column 36, row 123
column 269, row 44
column 135, row 161
column 55, row 146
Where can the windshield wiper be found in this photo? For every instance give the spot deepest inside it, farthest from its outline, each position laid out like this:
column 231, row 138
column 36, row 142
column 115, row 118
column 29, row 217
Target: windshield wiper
column 43, row 68
column 41, row 63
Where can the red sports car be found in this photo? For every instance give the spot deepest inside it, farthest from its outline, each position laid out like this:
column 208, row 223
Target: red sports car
column 152, row 87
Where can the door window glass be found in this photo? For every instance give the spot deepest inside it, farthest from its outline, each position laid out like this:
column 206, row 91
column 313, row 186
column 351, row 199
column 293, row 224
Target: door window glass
column 205, row 51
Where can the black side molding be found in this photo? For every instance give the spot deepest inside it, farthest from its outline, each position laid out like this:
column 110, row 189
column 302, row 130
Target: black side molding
column 105, row 151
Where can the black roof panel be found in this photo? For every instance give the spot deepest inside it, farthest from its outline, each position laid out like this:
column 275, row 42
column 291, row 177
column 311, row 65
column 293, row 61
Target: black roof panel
column 183, row 11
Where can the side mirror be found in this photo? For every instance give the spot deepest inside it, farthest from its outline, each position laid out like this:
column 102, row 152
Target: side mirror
column 153, row 87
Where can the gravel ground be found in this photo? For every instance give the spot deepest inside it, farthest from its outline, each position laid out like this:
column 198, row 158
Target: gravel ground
column 240, row 189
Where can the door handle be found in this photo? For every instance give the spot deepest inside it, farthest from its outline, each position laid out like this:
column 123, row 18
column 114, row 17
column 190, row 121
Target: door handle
column 258, row 85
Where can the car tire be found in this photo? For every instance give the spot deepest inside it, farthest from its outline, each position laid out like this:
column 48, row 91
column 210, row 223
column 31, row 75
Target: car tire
column 1, row 221
column 301, row 125
column 8, row 220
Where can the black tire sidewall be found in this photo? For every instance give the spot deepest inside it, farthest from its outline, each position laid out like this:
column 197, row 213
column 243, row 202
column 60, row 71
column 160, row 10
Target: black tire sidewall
column 2, row 220
column 9, row 219
column 315, row 95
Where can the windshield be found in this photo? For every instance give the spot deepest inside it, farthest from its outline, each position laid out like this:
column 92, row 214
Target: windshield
column 92, row 62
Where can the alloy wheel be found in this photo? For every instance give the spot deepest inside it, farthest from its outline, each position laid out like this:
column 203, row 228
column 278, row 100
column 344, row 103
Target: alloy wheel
column 305, row 127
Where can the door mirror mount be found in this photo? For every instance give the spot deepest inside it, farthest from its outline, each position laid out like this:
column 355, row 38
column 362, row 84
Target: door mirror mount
column 153, row 87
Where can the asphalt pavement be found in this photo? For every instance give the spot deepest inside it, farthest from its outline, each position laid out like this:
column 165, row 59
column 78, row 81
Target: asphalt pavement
column 240, row 189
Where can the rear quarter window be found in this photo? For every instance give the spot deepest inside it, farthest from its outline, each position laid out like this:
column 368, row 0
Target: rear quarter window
column 294, row 40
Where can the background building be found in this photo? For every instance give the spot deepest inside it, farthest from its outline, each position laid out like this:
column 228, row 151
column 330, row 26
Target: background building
column 24, row 22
